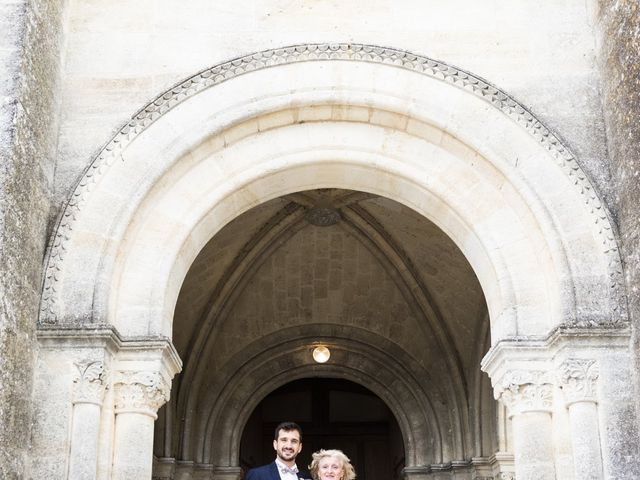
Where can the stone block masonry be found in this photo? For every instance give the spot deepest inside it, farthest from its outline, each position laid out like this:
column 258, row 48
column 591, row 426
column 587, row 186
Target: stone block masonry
column 619, row 35
column 30, row 33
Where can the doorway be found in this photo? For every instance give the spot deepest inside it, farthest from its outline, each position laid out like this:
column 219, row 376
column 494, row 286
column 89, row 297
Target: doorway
column 333, row 413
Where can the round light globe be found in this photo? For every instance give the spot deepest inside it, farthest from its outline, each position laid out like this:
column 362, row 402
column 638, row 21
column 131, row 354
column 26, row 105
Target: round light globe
column 321, row 354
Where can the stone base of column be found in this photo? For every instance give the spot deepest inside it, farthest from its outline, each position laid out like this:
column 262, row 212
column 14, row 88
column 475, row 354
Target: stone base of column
column 203, row 471
column 164, row 468
column 227, row 473
column 184, row 470
column 416, row 473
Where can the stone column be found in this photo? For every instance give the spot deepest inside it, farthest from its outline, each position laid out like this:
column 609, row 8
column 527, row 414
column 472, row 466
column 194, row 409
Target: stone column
column 528, row 397
column 89, row 386
column 578, row 379
column 138, row 396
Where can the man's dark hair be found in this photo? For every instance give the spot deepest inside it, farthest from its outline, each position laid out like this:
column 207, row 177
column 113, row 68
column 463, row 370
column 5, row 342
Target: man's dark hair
column 287, row 427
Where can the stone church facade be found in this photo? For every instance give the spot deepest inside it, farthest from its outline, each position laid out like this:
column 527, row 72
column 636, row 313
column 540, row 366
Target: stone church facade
column 195, row 195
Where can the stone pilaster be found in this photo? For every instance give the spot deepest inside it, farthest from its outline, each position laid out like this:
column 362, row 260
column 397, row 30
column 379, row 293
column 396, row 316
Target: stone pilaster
column 89, row 385
column 528, row 396
column 578, row 380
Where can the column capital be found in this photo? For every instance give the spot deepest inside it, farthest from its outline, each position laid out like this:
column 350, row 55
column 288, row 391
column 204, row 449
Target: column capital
column 524, row 391
column 143, row 372
column 140, row 392
column 578, row 380
column 89, row 382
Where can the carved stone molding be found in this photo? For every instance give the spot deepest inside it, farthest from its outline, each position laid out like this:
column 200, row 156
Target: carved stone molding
column 506, row 476
column 578, row 380
column 524, row 391
column 324, row 52
column 140, row 392
column 90, row 383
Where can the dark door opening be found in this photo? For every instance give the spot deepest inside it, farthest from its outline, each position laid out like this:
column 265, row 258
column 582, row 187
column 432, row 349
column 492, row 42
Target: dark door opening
column 333, row 413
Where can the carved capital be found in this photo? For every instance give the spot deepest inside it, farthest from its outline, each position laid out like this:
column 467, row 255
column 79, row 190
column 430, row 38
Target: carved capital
column 89, row 383
column 140, row 392
column 525, row 391
column 578, row 380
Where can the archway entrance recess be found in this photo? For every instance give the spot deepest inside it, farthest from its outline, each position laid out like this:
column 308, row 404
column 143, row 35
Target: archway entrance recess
column 333, row 413
column 434, row 139
column 364, row 275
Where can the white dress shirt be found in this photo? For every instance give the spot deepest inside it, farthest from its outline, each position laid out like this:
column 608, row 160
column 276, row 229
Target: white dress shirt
column 290, row 474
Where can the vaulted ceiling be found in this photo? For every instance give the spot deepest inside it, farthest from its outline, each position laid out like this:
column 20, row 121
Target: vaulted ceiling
column 331, row 256
column 332, row 261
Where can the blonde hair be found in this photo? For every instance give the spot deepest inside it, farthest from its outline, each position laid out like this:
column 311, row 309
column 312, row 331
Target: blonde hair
column 348, row 472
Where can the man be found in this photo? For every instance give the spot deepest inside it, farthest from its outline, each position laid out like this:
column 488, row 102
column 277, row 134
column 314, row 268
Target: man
column 287, row 443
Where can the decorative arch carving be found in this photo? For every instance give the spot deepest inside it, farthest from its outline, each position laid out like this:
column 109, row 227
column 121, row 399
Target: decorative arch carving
column 84, row 282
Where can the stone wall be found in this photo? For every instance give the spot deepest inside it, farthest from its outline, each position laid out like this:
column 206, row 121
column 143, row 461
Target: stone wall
column 619, row 35
column 30, row 33
column 117, row 63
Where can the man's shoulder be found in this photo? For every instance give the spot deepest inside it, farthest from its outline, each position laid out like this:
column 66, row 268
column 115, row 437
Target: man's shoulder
column 258, row 472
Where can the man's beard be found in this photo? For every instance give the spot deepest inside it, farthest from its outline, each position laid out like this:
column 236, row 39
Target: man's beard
column 287, row 456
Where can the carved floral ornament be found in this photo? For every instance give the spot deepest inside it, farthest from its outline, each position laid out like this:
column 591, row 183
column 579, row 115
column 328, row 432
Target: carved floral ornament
column 140, row 392
column 90, row 382
column 525, row 391
column 578, row 380
column 532, row 390
column 323, row 52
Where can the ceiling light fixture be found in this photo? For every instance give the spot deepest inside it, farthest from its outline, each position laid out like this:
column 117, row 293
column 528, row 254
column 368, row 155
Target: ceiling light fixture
column 321, row 354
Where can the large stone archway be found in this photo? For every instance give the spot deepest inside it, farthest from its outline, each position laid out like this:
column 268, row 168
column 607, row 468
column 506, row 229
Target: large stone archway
column 540, row 181
column 434, row 138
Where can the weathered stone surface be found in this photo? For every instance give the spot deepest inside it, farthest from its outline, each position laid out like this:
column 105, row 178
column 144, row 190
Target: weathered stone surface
column 29, row 52
column 619, row 35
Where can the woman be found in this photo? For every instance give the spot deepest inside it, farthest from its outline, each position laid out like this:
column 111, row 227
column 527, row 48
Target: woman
column 331, row 465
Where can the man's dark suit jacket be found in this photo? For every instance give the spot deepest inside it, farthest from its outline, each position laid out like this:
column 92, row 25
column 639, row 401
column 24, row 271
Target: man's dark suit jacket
column 270, row 472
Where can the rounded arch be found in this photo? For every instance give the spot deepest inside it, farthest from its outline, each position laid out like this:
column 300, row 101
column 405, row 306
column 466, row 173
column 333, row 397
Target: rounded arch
column 433, row 137
column 357, row 356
